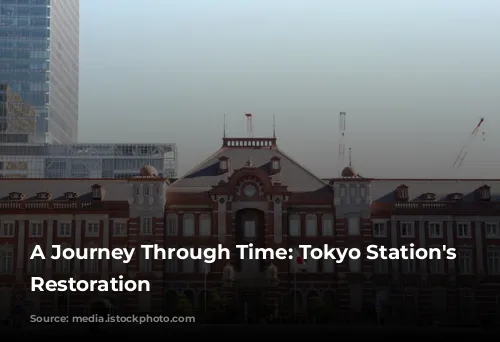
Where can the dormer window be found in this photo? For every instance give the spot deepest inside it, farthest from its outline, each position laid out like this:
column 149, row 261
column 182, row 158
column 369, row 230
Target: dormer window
column 429, row 196
column 402, row 193
column 16, row 196
column 223, row 165
column 275, row 164
column 484, row 193
column 70, row 195
column 43, row 195
column 96, row 192
column 456, row 196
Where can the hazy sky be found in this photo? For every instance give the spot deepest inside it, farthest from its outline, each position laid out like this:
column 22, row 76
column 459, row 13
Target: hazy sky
column 414, row 77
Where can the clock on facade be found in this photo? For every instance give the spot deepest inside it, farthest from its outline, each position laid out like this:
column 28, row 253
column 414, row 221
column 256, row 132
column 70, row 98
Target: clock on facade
column 249, row 190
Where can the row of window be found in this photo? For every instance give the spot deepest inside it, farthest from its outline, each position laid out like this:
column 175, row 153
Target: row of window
column 406, row 229
column 437, row 266
column 436, row 229
column 249, row 227
column 65, row 266
column 64, row 229
column 380, row 266
column 188, row 225
column 147, row 190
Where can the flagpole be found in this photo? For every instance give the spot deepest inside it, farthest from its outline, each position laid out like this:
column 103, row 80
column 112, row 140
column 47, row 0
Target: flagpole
column 295, row 292
column 205, row 286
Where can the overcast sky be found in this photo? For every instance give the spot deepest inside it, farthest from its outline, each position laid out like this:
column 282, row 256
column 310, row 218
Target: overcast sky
column 414, row 77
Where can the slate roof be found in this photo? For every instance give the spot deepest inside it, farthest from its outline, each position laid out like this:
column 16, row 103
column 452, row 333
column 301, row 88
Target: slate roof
column 205, row 175
column 382, row 190
column 114, row 189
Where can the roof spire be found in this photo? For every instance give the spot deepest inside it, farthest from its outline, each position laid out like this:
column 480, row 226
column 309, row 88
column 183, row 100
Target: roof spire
column 350, row 157
column 224, row 127
column 274, row 125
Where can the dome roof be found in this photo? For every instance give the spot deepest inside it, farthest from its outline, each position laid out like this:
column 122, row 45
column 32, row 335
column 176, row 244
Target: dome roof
column 148, row 171
column 349, row 172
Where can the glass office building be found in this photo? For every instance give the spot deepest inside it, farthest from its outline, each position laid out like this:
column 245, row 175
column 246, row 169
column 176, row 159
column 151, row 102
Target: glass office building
column 39, row 51
column 85, row 160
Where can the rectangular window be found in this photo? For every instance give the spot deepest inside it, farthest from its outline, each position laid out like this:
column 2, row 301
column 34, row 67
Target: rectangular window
column 36, row 229
column 92, row 266
column 493, row 256
column 118, row 266
column 34, row 265
column 408, row 266
column 492, row 230
column 204, row 267
column 188, row 229
column 327, row 225
column 119, row 229
column 436, row 266
column 172, row 225
column 379, row 229
column 435, row 230
column 407, row 229
column 463, row 230
column 64, row 229
column 381, row 266
column 172, row 265
column 92, row 229
column 146, row 265
column 63, row 265
column 311, row 226
column 294, row 225
column 7, row 229
column 147, row 225
column 465, row 261
column 6, row 260
column 205, row 225
column 188, row 265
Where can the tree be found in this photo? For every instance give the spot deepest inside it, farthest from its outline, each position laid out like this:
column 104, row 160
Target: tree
column 318, row 310
column 183, row 307
column 214, row 301
column 216, row 307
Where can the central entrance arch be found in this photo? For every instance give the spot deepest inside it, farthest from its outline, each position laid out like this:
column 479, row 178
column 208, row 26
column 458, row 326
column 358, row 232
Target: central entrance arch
column 249, row 228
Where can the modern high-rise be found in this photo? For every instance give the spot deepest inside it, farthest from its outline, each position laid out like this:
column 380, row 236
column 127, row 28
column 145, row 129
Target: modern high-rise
column 17, row 119
column 39, row 52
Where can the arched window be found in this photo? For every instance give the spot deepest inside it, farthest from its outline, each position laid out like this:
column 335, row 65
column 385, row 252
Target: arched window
column 188, row 226
column 311, row 225
column 172, row 225
column 205, row 225
column 294, row 225
column 327, row 225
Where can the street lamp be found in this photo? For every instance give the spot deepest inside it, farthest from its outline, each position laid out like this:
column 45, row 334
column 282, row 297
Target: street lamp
column 272, row 274
column 228, row 275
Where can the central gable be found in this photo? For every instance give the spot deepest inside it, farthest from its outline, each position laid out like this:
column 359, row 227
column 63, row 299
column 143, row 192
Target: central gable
column 259, row 153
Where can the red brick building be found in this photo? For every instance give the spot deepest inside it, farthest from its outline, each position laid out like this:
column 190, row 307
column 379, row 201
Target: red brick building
column 461, row 214
column 78, row 213
column 250, row 191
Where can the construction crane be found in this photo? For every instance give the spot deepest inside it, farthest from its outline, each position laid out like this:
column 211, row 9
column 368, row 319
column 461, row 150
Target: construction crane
column 463, row 151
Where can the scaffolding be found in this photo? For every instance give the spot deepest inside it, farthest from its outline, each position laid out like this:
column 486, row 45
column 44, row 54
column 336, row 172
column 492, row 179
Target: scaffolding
column 86, row 160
